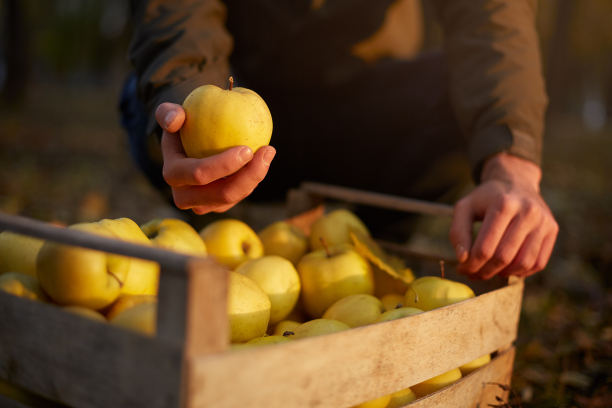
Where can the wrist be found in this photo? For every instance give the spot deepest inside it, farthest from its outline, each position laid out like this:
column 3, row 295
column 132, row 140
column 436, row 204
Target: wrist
column 513, row 170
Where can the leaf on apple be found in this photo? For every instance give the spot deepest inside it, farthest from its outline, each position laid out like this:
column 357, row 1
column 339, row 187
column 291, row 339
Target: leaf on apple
column 370, row 250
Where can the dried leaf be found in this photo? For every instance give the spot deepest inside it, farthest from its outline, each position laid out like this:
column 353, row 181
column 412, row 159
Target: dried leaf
column 370, row 250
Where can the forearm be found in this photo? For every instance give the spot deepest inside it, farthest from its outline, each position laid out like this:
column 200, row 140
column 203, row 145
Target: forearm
column 513, row 170
column 496, row 85
column 177, row 46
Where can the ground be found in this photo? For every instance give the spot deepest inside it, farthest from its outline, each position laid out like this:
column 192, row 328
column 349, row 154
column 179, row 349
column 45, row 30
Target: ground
column 64, row 158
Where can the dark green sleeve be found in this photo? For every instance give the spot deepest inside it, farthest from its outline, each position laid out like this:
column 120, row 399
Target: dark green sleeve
column 177, row 46
column 496, row 83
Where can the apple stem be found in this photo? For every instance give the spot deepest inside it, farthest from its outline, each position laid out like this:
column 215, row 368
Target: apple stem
column 117, row 278
column 442, row 268
column 231, row 83
column 325, row 247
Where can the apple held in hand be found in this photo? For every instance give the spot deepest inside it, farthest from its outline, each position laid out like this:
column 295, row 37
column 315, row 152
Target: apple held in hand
column 217, row 119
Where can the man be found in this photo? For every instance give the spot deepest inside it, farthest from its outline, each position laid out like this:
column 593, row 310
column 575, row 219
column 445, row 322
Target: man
column 350, row 109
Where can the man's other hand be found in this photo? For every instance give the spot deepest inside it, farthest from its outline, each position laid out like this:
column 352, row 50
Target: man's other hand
column 518, row 230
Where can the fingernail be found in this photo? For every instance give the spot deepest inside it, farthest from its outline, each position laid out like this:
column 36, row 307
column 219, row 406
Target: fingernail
column 269, row 155
column 245, row 154
column 169, row 118
column 461, row 253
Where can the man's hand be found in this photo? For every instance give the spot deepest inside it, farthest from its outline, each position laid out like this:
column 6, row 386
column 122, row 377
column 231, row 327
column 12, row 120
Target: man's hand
column 212, row 184
column 518, row 230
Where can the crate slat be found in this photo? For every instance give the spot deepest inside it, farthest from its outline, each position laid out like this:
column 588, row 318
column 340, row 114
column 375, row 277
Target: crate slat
column 478, row 389
column 356, row 365
column 84, row 363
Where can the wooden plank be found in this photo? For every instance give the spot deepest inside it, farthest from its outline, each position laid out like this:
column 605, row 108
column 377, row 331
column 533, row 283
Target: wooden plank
column 39, row 229
column 377, row 199
column 356, row 365
column 478, row 389
column 207, row 325
column 84, row 363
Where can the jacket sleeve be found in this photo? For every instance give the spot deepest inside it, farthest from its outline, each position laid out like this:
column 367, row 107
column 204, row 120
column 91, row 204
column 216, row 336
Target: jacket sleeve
column 177, row 46
column 496, row 84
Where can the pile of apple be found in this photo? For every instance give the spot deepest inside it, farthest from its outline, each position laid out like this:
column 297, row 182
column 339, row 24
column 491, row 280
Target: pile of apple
column 285, row 283
column 102, row 286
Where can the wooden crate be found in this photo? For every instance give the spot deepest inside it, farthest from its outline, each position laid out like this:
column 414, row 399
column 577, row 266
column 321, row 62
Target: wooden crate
column 84, row 363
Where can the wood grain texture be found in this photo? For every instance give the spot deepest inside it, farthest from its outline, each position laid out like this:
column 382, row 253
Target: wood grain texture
column 476, row 390
column 68, row 236
column 376, row 199
column 84, row 363
column 356, row 365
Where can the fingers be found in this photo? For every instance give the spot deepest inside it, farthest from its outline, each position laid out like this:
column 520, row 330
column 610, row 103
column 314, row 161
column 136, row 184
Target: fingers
column 223, row 193
column 495, row 223
column 181, row 171
column 170, row 116
column 523, row 237
column 546, row 249
column 215, row 183
column 461, row 229
column 516, row 237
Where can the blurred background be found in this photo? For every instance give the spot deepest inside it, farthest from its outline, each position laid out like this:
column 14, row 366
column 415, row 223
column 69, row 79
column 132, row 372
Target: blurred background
column 65, row 158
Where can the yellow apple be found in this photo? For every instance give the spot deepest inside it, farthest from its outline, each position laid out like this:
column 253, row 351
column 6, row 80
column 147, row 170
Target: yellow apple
column 475, row 364
column 285, row 326
column 284, row 239
column 318, row 327
column 334, row 229
column 124, row 302
column 18, row 253
column 392, row 301
column 398, row 313
column 141, row 318
column 143, row 275
column 248, row 309
column 217, row 119
column 77, row 276
column 22, row 285
column 175, row 235
column 264, row 340
column 355, row 310
column 431, row 292
column 380, row 402
column 85, row 312
column 328, row 275
column 277, row 277
column 231, row 242
column 436, row 383
column 401, row 398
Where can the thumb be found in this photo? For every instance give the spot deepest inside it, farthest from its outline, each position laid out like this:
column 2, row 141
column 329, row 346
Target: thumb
column 461, row 228
column 170, row 116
